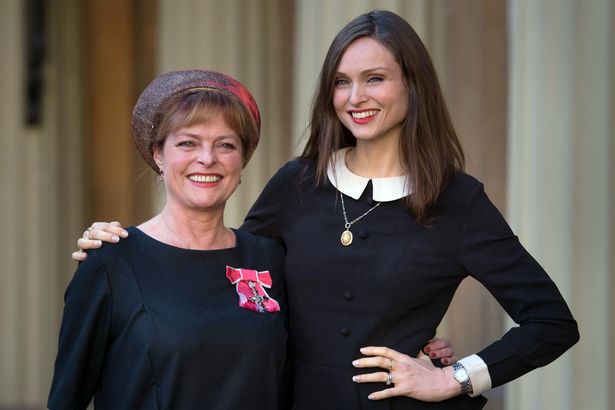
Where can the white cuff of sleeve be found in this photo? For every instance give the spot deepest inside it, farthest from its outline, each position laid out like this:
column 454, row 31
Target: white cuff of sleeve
column 479, row 374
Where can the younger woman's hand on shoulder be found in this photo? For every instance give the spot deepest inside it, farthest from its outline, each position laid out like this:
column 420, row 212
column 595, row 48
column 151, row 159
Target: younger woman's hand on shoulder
column 94, row 236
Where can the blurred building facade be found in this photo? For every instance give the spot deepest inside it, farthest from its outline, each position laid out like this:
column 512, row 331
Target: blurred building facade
column 530, row 87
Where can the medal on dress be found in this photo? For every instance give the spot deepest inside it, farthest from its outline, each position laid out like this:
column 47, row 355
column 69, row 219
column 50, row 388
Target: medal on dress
column 250, row 285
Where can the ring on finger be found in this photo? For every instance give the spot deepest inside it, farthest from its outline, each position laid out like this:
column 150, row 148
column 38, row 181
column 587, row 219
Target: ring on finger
column 390, row 364
column 389, row 378
column 88, row 231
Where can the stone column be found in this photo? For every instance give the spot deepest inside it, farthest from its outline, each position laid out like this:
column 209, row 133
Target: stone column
column 251, row 41
column 40, row 206
column 561, row 183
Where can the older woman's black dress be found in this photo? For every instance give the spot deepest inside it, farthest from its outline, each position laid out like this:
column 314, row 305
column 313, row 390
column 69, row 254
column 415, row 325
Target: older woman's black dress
column 151, row 326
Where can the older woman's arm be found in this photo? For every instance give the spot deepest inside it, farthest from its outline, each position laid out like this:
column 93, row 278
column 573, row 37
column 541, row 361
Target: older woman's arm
column 83, row 337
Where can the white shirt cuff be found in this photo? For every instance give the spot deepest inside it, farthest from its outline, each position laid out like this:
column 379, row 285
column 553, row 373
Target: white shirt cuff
column 479, row 374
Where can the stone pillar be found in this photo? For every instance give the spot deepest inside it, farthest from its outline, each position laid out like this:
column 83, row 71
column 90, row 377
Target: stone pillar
column 561, row 183
column 40, row 206
column 251, row 41
column 11, row 212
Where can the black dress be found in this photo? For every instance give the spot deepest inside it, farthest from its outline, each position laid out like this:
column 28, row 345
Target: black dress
column 393, row 284
column 151, row 326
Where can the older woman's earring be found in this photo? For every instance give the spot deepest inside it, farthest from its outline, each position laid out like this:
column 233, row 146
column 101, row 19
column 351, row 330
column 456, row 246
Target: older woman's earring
column 161, row 175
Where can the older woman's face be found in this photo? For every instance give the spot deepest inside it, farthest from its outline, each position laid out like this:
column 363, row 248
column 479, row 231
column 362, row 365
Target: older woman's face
column 201, row 165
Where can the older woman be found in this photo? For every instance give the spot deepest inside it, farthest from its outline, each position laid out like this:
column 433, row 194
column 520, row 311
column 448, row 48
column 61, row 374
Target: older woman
column 185, row 313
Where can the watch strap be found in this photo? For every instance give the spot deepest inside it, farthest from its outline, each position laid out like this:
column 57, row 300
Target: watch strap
column 466, row 385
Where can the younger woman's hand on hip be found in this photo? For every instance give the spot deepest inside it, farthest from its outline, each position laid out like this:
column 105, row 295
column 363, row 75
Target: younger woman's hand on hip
column 406, row 376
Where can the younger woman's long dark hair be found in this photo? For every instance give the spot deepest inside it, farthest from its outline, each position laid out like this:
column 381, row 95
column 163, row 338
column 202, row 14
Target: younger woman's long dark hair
column 429, row 147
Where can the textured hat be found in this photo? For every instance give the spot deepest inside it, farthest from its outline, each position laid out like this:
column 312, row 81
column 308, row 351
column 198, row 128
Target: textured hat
column 171, row 83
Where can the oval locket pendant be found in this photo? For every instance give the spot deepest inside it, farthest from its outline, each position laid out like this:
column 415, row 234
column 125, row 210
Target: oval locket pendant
column 346, row 237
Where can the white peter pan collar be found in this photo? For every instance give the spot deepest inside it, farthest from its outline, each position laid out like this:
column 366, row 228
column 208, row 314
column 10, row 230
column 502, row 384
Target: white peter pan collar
column 384, row 189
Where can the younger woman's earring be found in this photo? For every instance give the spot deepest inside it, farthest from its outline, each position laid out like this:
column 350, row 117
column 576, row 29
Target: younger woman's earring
column 161, row 175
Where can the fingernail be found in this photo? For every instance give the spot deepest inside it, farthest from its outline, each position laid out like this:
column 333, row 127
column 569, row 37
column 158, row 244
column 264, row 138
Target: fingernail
column 433, row 354
column 362, row 350
column 115, row 238
column 98, row 242
column 444, row 361
column 371, row 397
column 355, row 363
column 426, row 350
column 355, row 378
column 124, row 234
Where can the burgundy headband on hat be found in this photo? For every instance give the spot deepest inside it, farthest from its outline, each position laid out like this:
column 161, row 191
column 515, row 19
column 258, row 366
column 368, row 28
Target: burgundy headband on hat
column 171, row 83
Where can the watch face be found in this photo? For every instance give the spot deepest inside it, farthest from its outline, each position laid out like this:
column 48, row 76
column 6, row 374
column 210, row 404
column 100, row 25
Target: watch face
column 461, row 375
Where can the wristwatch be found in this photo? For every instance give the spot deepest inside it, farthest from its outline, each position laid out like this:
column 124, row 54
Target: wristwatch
column 463, row 378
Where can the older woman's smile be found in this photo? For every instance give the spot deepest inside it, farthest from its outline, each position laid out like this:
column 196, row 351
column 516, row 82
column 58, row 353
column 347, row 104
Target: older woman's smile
column 204, row 178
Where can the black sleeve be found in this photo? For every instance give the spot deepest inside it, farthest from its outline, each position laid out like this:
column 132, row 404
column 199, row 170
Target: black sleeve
column 266, row 215
column 492, row 254
column 83, row 337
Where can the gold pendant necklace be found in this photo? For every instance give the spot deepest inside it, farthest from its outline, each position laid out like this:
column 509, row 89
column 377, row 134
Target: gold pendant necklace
column 346, row 238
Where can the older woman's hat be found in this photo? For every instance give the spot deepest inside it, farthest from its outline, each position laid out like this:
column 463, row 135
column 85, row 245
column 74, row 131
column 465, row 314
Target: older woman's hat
column 171, row 83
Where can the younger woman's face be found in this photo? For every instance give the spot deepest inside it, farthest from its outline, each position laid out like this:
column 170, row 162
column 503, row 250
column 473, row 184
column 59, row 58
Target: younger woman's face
column 369, row 96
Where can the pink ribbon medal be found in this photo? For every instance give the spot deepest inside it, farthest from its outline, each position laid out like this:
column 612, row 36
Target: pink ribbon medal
column 250, row 285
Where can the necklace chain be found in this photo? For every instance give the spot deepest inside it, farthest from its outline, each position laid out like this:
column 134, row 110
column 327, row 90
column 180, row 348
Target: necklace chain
column 346, row 237
column 349, row 224
column 183, row 244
